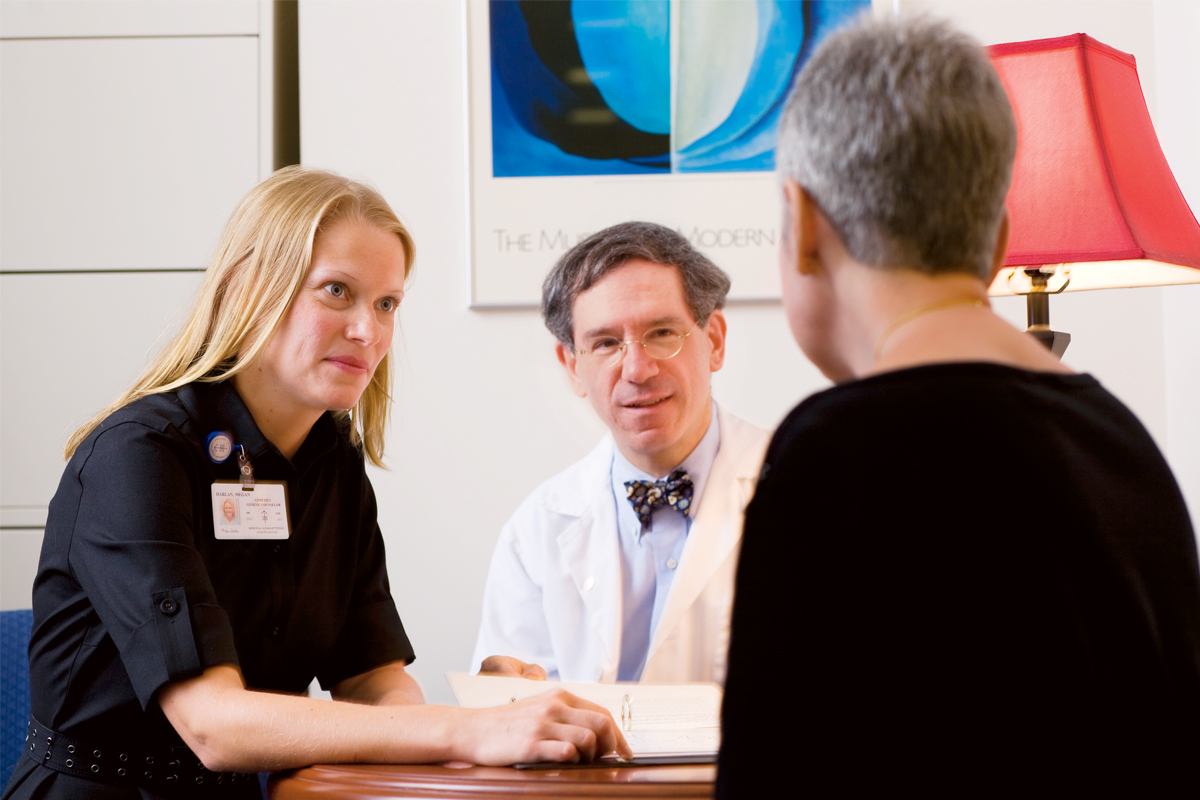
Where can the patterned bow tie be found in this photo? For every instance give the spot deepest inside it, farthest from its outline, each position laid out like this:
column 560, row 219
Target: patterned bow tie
column 645, row 496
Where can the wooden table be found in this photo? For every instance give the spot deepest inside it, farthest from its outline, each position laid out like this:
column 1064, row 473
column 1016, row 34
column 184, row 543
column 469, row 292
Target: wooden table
column 372, row 782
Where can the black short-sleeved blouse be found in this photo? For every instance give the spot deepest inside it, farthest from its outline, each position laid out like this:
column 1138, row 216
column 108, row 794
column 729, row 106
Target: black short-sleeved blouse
column 133, row 591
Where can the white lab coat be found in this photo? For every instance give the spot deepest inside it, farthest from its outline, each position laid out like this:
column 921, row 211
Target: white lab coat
column 553, row 594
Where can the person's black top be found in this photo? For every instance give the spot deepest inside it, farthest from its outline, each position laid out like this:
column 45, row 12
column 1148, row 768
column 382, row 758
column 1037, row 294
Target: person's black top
column 957, row 577
column 133, row 591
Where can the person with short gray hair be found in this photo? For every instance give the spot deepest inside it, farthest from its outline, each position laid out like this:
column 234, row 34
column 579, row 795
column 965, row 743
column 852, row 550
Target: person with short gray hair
column 922, row 187
column 621, row 567
column 975, row 562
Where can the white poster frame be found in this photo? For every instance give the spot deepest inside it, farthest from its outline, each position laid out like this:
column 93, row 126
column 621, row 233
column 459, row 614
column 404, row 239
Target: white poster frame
column 518, row 227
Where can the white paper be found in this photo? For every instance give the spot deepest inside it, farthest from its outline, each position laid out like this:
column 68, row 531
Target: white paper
column 697, row 741
column 657, row 719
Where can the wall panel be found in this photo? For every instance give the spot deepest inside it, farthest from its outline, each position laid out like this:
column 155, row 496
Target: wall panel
column 124, row 153
column 19, row 551
column 72, row 343
column 76, row 18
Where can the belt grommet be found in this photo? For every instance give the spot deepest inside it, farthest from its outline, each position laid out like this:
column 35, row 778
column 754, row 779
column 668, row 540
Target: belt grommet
column 95, row 767
column 95, row 754
column 32, row 747
column 121, row 772
column 70, row 748
column 70, row 762
column 172, row 778
column 148, row 774
column 150, row 760
column 47, row 756
column 123, row 757
column 49, row 741
column 199, row 779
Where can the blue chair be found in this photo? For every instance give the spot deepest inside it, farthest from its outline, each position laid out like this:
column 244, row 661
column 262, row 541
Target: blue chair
column 14, row 686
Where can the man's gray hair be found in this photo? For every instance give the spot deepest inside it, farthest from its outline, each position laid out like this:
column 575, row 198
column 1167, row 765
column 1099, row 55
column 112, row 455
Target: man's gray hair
column 901, row 131
column 704, row 283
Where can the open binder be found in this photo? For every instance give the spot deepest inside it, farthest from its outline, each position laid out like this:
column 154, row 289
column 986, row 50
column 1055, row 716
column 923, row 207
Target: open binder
column 663, row 724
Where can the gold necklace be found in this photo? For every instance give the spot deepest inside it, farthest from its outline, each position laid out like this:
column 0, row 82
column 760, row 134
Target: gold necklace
column 911, row 315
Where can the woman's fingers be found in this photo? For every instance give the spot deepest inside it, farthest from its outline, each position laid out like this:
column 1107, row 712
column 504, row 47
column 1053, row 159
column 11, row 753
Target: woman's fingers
column 580, row 739
column 603, row 735
column 555, row 750
column 554, row 726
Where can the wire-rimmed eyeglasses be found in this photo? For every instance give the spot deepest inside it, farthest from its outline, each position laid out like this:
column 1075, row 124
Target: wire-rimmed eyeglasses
column 660, row 343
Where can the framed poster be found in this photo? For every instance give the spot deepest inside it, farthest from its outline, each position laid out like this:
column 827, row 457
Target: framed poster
column 585, row 113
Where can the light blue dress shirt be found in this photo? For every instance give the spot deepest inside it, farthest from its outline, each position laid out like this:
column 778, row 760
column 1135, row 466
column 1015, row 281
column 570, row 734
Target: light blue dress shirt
column 649, row 558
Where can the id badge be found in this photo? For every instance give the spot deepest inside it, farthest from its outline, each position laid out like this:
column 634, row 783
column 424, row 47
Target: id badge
column 260, row 512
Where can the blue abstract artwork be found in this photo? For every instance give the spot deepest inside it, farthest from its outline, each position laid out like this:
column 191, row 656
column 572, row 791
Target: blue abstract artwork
column 621, row 87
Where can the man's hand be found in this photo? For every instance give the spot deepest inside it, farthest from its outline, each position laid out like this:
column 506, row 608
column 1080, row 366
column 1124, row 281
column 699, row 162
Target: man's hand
column 509, row 667
column 554, row 726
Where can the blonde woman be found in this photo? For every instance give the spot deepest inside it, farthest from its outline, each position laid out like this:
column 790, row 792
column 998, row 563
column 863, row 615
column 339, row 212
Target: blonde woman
column 171, row 644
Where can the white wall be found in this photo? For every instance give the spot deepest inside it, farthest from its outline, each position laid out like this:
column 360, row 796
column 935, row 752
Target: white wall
column 483, row 413
column 130, row 128
column 1177, row 116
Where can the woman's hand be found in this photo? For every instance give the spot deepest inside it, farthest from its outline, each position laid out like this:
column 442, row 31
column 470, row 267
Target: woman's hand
column 509, row 667
column 554, row 726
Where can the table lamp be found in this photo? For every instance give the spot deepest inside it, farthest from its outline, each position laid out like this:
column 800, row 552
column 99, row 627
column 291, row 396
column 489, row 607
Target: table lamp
column 1093, row 204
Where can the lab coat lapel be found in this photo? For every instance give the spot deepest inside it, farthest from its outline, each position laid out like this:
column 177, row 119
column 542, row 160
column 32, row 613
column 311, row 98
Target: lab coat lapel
column 592, row 554
column 716, row 529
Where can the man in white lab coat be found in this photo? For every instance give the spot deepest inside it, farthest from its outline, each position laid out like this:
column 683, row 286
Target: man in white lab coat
column 622, row 566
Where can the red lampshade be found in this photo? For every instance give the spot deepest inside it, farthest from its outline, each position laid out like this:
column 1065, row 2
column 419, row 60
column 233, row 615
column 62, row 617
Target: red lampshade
column 1091, row 188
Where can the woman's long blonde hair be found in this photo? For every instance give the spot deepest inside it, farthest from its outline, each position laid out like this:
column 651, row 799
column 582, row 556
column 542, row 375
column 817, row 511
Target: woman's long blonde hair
column 259, row 266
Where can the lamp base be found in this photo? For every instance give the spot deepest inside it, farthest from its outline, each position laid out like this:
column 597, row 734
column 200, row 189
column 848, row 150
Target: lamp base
column 1037, row 307
column 1056, row 341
